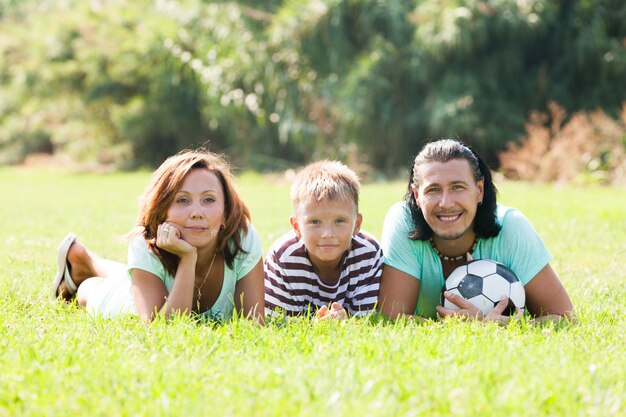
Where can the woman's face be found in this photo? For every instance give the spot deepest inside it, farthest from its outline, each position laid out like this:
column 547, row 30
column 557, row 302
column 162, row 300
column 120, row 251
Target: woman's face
column 198, row 208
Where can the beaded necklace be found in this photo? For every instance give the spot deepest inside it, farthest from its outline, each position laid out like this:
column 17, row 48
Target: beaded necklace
column 453, row 258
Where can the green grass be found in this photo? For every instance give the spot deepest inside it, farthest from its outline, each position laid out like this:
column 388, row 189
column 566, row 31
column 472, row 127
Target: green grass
column 55, row 360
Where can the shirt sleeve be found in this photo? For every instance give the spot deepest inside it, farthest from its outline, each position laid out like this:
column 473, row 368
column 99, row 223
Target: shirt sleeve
column 521, row 243
column 398, row 248
column 365, row 295
column 277, row 290
column 251, row 244
column 140, row 257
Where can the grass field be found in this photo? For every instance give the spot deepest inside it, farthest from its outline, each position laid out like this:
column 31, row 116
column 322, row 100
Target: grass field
column 55, row 360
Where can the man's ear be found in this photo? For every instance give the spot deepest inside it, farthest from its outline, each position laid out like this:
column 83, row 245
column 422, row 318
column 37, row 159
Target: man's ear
column 357, row 224
column 294, row 224
column 415, row 195
column 481, row 189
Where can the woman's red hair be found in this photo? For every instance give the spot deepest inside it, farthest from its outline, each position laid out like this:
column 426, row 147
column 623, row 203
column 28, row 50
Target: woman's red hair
column 160, row 193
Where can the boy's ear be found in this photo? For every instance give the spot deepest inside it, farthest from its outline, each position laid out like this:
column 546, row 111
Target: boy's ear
column 357, row 224
column 294, row 224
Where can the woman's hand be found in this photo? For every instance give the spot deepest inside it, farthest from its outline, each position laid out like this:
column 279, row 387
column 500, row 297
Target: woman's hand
column 336, row 311
column 169, row 238
column 467, row 309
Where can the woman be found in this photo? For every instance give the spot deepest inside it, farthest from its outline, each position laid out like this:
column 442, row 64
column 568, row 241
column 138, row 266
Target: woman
column 193, row 250
column 450, row 212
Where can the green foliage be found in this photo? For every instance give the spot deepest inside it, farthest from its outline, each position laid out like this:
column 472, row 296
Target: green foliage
column 58, row 361
column 275, row 83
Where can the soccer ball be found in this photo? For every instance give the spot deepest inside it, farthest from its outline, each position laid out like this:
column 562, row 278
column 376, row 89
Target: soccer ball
column 482, row 282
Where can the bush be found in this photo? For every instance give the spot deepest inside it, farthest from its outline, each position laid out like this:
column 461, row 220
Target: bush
column 584, row 147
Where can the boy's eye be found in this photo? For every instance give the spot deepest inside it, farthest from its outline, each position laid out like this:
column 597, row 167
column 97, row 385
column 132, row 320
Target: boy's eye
column 315, row 221
column 340, row 221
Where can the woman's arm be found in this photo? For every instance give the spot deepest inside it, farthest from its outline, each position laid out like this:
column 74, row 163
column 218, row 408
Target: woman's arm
column 151, row 296
column 180, row 298
column 250, row 294
column 398, row 293
column 149, row 293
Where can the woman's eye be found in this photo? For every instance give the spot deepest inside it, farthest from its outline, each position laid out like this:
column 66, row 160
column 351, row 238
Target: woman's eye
column 209, row 200
column 182, row 200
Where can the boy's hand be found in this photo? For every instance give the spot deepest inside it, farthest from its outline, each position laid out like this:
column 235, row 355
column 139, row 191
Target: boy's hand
column 336, row 311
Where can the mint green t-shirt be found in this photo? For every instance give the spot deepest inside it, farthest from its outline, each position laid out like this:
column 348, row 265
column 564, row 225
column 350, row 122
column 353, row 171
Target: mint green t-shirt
column 115, row 294
column 517, row 246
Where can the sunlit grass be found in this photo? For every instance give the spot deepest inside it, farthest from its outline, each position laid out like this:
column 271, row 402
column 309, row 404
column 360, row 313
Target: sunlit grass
column 56, row 360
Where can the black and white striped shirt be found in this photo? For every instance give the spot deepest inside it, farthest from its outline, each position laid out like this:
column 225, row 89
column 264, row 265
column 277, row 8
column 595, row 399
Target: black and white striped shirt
column 292, row 286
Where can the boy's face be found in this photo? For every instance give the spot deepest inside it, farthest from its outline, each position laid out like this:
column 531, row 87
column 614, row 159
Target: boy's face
column 326, row 228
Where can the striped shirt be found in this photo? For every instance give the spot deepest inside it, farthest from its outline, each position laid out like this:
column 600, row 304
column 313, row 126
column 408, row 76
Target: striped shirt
column 292, row 286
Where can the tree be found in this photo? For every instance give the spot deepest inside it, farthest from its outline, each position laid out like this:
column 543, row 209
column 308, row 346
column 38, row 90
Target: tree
column 275, row 83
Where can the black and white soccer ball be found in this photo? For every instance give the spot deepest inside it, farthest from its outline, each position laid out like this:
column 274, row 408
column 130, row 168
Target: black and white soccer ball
column 482, row 282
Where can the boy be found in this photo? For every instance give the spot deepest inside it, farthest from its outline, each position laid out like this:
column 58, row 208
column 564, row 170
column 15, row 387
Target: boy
column 325, row 259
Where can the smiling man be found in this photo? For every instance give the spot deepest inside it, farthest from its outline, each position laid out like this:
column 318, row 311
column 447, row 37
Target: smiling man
column 448, row 216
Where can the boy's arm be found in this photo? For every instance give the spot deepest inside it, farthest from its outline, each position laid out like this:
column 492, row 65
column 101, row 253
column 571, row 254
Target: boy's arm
column 278, row 300
column 365, row 296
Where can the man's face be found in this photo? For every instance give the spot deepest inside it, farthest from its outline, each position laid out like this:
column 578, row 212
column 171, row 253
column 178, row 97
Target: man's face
column 448, row 197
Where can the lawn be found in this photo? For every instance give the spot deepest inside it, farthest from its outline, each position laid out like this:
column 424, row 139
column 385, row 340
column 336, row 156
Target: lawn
column 55, row 360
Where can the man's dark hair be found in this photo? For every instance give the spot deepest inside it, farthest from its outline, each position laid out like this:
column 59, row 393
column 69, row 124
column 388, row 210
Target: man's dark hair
column 444, row 150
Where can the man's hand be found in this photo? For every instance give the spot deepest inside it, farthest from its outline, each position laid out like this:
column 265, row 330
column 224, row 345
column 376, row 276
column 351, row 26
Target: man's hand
column 467, row 309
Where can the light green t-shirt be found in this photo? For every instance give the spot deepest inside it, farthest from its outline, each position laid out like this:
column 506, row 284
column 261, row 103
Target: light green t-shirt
column 115, row 295
column 517, row 246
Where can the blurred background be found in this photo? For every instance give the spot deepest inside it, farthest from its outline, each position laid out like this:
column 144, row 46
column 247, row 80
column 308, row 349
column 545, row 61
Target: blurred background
column 536, row 86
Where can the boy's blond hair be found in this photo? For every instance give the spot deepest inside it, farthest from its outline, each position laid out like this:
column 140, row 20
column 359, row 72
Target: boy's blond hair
column 325, row 181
